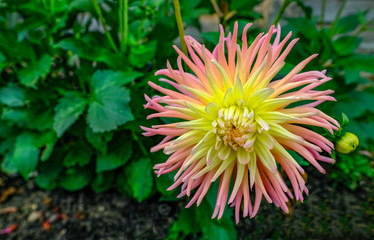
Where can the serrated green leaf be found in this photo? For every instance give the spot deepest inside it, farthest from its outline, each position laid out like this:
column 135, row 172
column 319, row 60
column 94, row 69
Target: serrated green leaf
column 80, row 154
column 139, row 178
column 75, row 178
column 68, row 110
column 109, row 109
column 106, row 78
column 12, row 95
column 26, row 154
column 30, row 75
column 103, row 181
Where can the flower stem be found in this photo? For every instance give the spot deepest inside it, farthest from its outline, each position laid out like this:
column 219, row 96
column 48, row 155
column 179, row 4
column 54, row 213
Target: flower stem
column 52, row 7
column 141, row 145
column 102, row 19
column 337, row 16
column 123, row 23
column 166, row 8
column 323, row 10
column 178, row 17
column 281, row 11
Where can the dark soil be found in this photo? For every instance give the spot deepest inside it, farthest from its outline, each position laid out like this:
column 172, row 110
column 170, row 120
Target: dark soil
column 59, row 214
column 331, row 211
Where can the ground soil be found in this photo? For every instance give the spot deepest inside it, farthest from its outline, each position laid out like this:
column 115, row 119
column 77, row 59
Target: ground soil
column 331, row 211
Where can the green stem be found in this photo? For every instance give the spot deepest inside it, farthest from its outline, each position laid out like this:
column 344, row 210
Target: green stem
column 363, row 27
column 323, row 10
column 281, row 11
column 102, row 19
column 123, row 18
column 178, row 16
column 166, row 8
column 141, row 145
column 52, row 7
column 337, row 16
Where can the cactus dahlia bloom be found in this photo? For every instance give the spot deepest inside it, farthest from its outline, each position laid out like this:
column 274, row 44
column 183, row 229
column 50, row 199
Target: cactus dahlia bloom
column 237, row 123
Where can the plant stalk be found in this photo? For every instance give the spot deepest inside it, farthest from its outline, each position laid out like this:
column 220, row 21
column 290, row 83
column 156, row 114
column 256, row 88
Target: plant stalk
column 337, row 16
column 123, row 18
column 102, row 20
column 178, row 17
column 323, row 11
column 166, row 8
column 281, row 11
column 141, row 145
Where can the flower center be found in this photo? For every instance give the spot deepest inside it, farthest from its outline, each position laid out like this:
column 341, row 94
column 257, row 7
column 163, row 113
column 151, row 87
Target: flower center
column 235, row 126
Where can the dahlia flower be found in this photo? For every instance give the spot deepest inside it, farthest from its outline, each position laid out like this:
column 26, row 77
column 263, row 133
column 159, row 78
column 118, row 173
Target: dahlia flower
column 237, row 123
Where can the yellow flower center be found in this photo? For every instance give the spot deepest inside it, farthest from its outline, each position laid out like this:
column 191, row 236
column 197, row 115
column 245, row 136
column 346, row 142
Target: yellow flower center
column 235, row 126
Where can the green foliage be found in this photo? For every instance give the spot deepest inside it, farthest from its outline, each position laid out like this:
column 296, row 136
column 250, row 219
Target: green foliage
column 353, row 169
column 71, row 103
column 197, row 220
column 68, row 110
column 65, row 93
column 138, row 179
column 337, row 48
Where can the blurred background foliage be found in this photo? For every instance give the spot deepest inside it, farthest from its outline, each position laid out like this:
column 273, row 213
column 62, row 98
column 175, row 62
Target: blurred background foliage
column 74, row 73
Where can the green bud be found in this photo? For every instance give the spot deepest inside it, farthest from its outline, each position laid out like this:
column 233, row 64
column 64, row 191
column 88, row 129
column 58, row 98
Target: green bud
column 347, row 143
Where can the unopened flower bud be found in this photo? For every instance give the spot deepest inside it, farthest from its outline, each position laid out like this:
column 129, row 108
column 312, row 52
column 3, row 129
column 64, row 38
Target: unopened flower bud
column 347, row 143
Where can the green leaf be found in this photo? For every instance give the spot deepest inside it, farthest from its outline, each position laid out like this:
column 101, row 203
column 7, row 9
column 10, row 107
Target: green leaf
column 103, row 181
column 356, row 61
column 115, row 158
column 32, row 118
column 25, row 154
column 363, row 130
column 305, row 26
column 12, row 95
column 345, row 120
column 48, row 173
column 109, row 109
column 92, row 52
column 6, row 145
column 68, row 110
column 102, row 79
column 139, row 178
column 299, row 159
column 347, row 24
column 8, row 165
column 98, row 140
column 346, row 44
column 30, row 75
column 80, row 154
column 354, row 103
column 75, row 178
column 211, row 37
column 46, row 141
column 142, row 53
